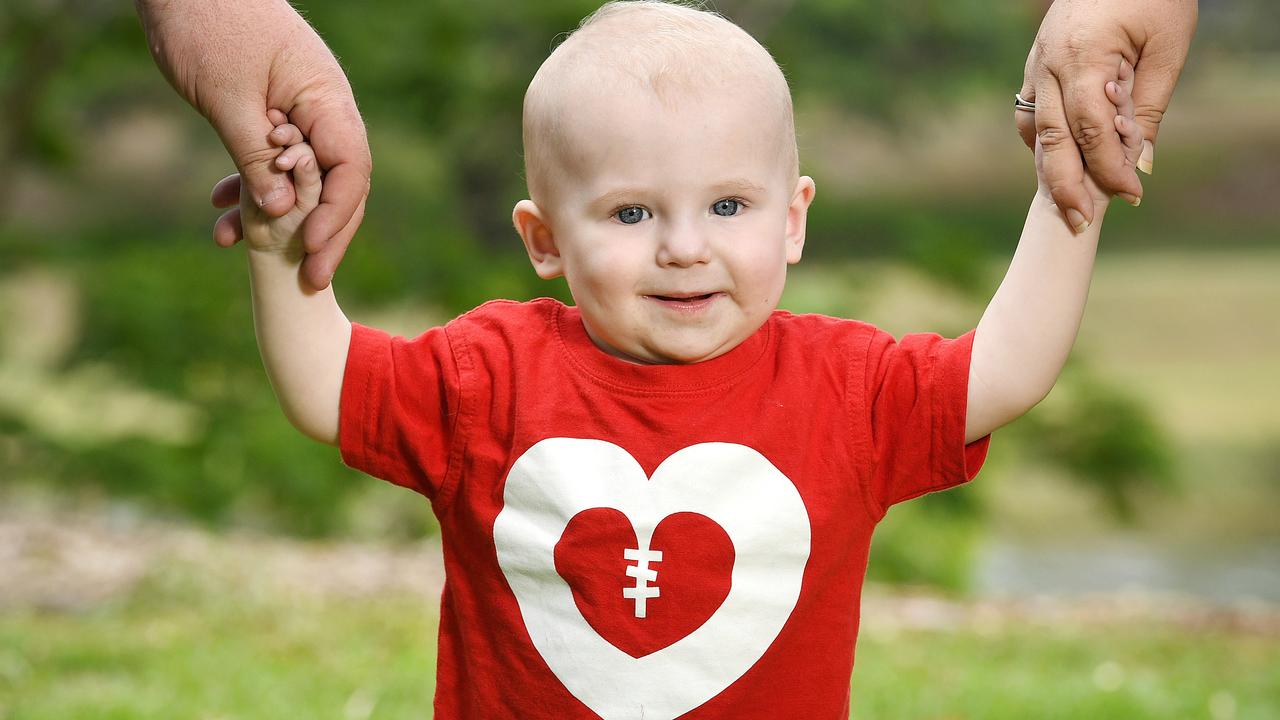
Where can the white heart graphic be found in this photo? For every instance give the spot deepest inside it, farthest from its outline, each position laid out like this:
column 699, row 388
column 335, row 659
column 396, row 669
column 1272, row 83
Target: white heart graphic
column 736, row 487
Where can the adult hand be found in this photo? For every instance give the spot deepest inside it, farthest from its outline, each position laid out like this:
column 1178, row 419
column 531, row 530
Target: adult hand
column 232, row 61
column 1079, row 48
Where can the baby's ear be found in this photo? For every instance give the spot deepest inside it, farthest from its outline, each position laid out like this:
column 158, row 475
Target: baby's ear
column 797, row 216
column 538, row 239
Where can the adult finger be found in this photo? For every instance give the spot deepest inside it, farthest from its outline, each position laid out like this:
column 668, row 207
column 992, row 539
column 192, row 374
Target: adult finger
column 243, row 126
column 318, row 268
column 1154, row 79
column 344, row 186
column 226, row 192
column 1063, row 171
column 1091, row 117
column 228, row 231
column 332, row 124
column 1025, row 120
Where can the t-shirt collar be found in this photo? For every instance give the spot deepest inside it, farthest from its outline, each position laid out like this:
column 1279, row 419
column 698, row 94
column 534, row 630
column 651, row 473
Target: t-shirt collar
column 587, row 357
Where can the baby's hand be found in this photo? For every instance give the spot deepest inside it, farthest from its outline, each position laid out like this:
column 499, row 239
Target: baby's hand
column 1119, row 92
column 264, row 233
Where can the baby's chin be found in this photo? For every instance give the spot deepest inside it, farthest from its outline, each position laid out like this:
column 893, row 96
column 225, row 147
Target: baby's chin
column 687, row 351
column 669, row 337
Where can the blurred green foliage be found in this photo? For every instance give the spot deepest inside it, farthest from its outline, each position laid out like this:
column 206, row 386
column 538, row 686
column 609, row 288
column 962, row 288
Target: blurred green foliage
column 1107, row 441
column 440, row 84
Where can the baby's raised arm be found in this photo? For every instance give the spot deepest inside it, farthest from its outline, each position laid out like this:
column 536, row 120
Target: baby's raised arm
column 302, row 334
column 1027, row 331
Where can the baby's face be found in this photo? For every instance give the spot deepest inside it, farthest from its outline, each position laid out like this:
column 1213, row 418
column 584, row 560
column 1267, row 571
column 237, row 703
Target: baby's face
column 673, row 224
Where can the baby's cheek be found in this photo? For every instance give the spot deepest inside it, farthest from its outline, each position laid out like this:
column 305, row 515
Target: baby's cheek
column 610, row 266
column 768, row 269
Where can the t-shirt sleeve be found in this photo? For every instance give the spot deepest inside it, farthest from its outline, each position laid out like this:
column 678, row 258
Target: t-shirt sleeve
column 918, row 391
column 399, row 407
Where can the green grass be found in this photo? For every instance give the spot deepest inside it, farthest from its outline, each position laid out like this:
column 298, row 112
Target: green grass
column 1121, row 672
column 178, row 648
column 219, row 658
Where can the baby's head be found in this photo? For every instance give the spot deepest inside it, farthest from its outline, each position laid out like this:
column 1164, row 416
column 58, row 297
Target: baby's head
column 661, row 160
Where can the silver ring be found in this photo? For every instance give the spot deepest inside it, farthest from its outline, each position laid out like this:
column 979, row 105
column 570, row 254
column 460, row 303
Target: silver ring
column 1021, row 104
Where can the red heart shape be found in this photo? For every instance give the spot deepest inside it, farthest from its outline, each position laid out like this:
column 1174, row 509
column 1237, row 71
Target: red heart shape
column 693, row 576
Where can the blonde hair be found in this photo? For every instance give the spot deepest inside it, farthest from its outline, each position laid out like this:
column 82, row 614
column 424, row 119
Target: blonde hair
column 668, row 47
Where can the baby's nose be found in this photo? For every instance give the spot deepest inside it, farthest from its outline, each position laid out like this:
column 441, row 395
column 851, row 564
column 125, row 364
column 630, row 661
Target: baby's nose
column 683, row 244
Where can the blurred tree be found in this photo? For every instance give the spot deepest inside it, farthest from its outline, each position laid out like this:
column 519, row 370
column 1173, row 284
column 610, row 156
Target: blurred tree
column 50, row 52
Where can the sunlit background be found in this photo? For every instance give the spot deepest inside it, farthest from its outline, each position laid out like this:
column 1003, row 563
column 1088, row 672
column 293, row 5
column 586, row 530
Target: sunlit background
column 170, row 547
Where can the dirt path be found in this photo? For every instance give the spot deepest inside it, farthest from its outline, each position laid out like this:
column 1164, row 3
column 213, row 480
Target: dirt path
column 73, row 563
column 76, row 562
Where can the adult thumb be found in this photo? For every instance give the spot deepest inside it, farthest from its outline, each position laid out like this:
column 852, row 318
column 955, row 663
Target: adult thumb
column 1154, row 79
column 243, row 128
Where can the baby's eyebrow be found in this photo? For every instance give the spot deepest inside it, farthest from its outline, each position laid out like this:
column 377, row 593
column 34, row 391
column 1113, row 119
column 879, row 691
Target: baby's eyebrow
column 630, row 194
column 739, row 185
column 615, row 197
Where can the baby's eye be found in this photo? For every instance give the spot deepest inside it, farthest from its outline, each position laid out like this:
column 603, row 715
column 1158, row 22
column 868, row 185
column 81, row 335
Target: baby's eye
column 631, row 215
column 727, row 207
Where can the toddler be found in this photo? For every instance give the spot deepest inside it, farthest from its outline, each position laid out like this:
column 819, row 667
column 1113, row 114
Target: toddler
column 658, row 502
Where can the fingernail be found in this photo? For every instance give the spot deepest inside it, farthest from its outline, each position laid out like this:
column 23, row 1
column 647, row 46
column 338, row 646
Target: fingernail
column 1148, row 156
column 275, row 193
column 1077, row 221
column 1133, row 200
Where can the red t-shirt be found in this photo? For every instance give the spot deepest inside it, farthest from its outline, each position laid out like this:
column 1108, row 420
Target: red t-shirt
column 627, row 541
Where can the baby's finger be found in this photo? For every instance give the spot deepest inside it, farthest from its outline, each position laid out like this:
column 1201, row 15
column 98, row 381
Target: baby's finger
column 1120, row 98
column 1132, row 136
column 1120, row 90
column 1125, row 76
column 277, row 116
column 285, row 134
column 289, row 158
column 306, row 176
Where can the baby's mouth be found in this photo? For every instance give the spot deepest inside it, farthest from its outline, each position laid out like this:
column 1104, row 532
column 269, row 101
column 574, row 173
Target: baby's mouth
column 684, row 298
column 687, row 302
